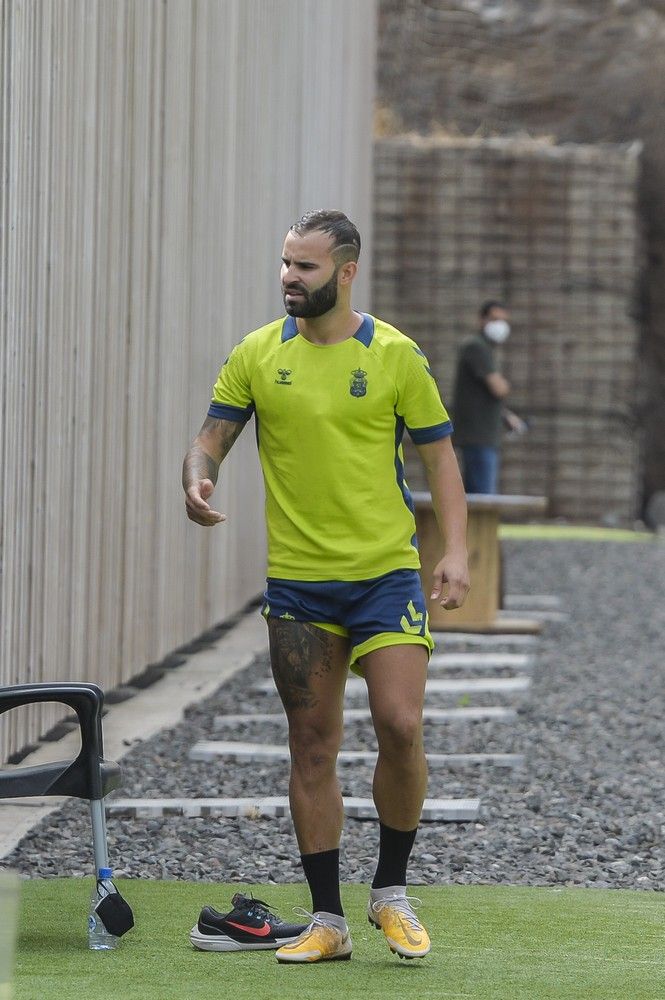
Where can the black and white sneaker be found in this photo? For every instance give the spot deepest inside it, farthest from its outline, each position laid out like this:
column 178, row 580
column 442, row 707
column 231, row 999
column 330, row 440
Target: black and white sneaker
column 249, row 926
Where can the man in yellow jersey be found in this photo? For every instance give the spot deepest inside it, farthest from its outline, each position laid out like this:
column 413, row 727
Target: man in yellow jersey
column 332, row 391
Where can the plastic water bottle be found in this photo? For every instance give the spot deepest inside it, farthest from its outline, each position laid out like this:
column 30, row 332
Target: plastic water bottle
column 99, row 939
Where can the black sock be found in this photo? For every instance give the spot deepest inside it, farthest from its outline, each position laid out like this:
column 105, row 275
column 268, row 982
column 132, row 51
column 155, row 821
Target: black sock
column 322, row 874
column 395, row 848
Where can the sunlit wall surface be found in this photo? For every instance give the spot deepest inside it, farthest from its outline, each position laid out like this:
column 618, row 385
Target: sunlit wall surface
column 153, row 155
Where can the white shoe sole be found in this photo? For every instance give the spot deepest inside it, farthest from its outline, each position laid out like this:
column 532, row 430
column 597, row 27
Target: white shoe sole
column 221, row 942
column 342, row 956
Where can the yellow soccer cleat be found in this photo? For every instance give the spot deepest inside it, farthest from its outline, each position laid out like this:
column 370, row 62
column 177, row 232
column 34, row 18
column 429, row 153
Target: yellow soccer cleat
column 326, row 939
column 391, row 910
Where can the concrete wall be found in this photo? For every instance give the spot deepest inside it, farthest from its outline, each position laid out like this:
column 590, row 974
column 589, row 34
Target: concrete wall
column 581, row 71
column 153, row 155
column 552, row 231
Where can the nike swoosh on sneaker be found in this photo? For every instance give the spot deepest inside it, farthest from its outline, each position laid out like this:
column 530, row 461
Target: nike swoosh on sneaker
column 263, row 931
column 409, row 936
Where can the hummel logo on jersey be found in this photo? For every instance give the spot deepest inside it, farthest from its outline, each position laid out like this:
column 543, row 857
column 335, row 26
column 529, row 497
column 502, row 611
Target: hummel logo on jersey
column 358, row 385
column 283, row 376
column 427, row 367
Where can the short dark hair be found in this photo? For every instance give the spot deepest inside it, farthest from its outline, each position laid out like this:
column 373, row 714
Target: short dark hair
column 487, row 307
column 341, row 229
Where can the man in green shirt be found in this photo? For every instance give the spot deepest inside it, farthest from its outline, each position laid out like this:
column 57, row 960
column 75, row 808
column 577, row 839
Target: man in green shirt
column 332, row 391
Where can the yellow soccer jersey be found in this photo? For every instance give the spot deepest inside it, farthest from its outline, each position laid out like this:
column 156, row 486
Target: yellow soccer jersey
column 330, row 421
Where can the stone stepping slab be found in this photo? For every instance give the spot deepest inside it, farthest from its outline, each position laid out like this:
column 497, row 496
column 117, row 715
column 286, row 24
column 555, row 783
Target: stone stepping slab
column 491, row 713
column 453, row 685
column 434, row 810
column 533, row 602
column 453, row 640
column 207, row 750
column 480, row 661
column 529, row 614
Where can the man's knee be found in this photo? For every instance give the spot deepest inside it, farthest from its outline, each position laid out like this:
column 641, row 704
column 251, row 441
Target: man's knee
column 400, row 734
column 314, row 748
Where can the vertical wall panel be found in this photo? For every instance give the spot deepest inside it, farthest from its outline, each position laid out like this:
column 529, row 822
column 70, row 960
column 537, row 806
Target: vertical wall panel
column 152, row 154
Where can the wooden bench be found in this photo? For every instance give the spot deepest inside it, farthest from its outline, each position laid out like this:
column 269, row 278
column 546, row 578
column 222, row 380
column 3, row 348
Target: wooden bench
column 480, row 610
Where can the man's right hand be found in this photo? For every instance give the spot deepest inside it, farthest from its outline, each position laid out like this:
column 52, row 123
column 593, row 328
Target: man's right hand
column 197, row 506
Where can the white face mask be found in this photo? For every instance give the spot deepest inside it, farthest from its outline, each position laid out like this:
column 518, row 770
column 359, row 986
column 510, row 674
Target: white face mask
column 497, row 330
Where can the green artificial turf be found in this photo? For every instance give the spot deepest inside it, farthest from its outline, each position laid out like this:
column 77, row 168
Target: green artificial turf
column 498, row 942
column 574, row 532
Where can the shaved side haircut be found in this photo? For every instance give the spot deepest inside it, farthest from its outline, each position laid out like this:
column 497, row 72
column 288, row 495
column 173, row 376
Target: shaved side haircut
column 345, row 236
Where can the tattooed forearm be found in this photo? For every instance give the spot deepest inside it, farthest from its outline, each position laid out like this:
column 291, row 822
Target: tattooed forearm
column 198, row 465
column 224, row 435
column 211, row 446
column 298, row 653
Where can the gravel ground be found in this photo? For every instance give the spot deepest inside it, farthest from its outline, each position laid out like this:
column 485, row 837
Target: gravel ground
column 587, row 808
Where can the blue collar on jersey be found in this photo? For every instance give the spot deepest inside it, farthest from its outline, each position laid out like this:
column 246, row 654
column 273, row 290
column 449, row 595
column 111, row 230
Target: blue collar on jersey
column 364, row 333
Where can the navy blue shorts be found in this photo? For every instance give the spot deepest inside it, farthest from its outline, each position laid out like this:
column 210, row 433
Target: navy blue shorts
column 388, row 610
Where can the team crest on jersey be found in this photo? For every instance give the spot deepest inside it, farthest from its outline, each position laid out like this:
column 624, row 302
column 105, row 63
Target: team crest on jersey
column 358, row 386
column 283, row 376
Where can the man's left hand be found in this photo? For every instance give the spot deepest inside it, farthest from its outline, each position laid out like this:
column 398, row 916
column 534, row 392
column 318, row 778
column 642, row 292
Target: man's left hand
column 451, row 575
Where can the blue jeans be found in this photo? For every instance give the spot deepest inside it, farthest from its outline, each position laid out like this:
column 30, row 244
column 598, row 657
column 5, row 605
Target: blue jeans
column 481, row 468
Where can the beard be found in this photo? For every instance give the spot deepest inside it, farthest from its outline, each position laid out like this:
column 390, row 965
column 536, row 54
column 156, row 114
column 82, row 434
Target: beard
column 313, row 303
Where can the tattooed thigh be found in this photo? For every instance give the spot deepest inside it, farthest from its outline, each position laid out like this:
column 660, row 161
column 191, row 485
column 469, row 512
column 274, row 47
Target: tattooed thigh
column 306, row 662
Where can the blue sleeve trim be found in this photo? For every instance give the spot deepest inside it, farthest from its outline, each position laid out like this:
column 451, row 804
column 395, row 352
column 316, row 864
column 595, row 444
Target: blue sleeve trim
column 239, row 414
column 424, row 435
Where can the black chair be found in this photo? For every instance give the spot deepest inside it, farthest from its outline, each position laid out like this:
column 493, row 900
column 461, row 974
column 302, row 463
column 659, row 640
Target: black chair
column 88, row 776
